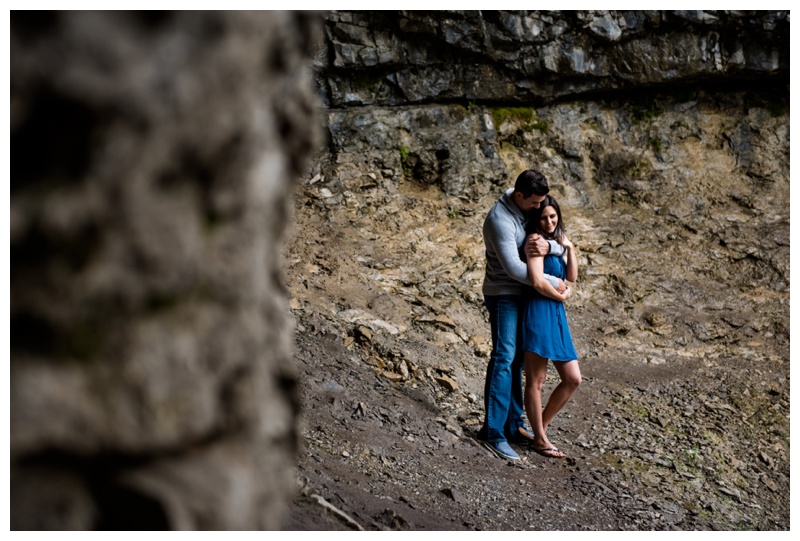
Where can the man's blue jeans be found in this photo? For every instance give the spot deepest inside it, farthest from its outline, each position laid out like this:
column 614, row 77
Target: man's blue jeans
column 502, row 393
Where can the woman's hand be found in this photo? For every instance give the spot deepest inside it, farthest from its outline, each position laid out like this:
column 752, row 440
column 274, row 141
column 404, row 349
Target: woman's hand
column 567, row 293
column 566, row 243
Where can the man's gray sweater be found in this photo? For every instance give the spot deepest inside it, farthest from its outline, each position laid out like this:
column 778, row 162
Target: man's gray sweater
column 504, row 234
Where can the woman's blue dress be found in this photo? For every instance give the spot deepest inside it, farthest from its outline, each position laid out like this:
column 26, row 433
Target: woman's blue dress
column 545, row 329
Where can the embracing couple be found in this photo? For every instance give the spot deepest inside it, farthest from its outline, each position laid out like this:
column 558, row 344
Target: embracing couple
column 528, row 259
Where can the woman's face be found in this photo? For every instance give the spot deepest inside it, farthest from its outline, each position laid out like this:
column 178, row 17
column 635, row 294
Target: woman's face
column 548, row 220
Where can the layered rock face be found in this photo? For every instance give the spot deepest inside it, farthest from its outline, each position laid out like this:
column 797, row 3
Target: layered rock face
column 153, row 158
column 424, row 95
column 398, row 58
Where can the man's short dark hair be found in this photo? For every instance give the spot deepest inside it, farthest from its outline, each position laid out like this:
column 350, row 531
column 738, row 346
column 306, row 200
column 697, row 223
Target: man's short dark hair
column 531, row 182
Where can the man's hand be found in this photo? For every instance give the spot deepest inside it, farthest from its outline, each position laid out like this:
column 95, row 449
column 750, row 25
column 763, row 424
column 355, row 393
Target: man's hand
column 562, row 286
column 536, row 245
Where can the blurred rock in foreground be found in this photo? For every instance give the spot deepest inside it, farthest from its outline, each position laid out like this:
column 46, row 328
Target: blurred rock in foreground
column 153, row 158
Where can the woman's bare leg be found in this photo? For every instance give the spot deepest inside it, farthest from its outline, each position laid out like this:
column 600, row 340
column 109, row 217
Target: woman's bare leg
column 570, row 374
column 535, row 373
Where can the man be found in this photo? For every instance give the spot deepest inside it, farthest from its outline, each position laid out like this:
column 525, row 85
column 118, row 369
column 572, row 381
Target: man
column 503, row 291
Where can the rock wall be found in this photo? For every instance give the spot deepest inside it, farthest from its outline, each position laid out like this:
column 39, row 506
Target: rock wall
column 434, row 97
column 406, row 57
column 153, row 159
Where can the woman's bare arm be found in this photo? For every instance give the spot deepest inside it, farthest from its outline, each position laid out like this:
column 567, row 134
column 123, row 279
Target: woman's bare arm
column 571, row 259
column 540, row 283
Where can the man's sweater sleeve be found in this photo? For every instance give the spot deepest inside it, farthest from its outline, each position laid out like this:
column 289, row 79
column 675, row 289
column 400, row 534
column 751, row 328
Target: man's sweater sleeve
column 556, row 248
column 501, row 236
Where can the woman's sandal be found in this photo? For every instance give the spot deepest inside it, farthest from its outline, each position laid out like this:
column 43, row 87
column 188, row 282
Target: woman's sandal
column 550, row 452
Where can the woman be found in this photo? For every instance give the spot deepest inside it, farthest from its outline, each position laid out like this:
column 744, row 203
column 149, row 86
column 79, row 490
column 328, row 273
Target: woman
column 545, row 330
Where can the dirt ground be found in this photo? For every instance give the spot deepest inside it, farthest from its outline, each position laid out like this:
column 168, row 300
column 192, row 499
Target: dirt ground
column 388, row 457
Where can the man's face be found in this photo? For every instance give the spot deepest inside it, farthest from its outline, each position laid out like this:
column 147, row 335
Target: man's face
column 531, row 202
